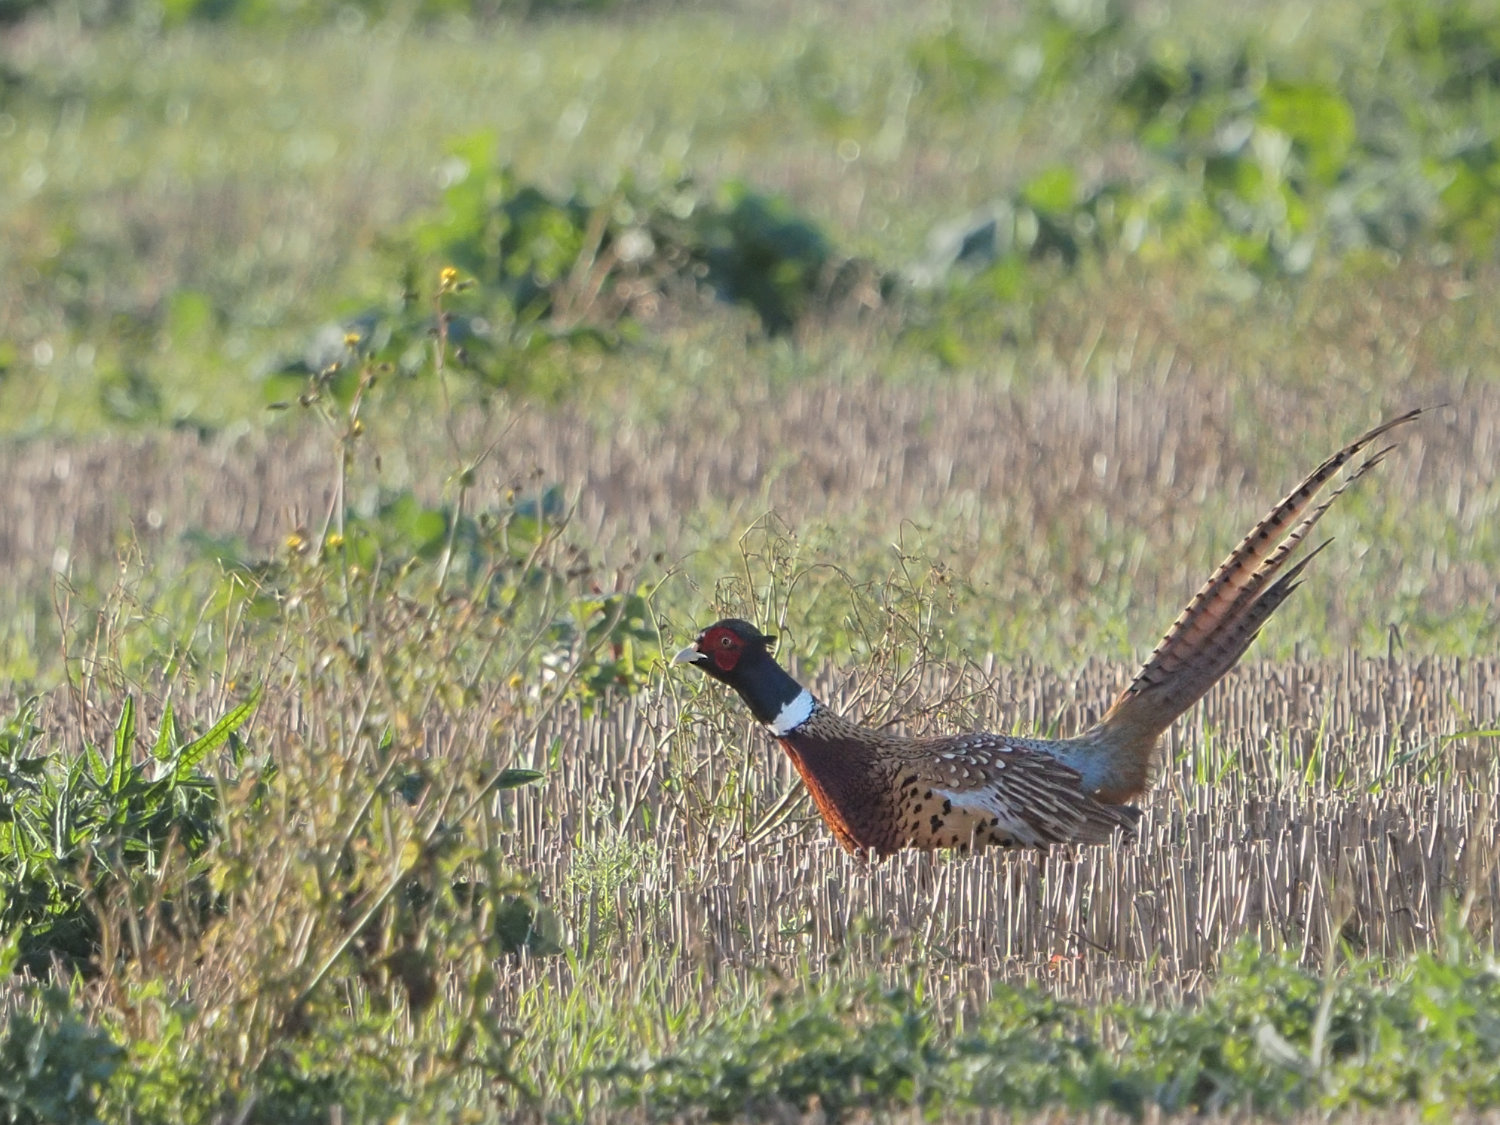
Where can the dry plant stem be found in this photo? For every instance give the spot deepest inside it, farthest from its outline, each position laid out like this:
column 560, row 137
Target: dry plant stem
column 333, row 516
column 1483, row 862
column 62, row 604
column 377, row 904
column 549, row 539
column 362, row 811
column 440, row 366
column 587, row 276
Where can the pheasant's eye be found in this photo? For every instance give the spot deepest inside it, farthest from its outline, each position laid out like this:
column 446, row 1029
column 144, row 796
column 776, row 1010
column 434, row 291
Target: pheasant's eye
column 725, row 640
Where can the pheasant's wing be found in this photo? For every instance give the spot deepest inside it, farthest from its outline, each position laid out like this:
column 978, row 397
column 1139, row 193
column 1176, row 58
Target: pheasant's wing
column 986, row 789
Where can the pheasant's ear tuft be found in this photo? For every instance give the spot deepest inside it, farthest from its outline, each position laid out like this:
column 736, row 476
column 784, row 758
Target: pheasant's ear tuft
column 769, row 640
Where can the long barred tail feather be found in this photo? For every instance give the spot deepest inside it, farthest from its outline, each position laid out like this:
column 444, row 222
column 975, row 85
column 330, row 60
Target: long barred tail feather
column 1213, row 632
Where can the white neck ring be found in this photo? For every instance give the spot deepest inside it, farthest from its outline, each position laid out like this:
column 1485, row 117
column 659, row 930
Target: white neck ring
column 793, row 714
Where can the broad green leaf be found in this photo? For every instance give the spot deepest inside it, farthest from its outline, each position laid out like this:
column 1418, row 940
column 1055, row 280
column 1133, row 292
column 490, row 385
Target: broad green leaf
column 124, row 742
column 422, row 531
column 1318, row 119
column 162, row 751
column 97, row 766
column 194, row 752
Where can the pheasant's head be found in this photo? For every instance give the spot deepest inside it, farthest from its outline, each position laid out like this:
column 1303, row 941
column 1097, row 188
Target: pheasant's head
column 730, row 650
column 739, row 654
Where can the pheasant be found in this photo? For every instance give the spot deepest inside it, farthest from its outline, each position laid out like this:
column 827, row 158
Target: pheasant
column 880, row 792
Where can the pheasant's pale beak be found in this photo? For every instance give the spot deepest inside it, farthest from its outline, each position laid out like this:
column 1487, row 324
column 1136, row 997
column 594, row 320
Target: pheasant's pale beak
column 689, row 655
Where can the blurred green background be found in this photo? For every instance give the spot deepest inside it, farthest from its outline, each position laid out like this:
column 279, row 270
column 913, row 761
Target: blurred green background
column 189, row 192
column 663, row 217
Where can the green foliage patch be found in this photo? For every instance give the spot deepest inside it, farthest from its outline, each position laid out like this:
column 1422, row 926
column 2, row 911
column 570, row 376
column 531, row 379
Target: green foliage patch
column 349, row 860
column 1248, row 159
column 537, row 281
column 54, row 1064
column 82, row 831
column 1268, row 1036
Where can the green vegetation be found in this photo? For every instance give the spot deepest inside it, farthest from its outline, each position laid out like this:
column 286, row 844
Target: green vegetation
column 388, row 387
column 1267, row 1036
column 95, row 825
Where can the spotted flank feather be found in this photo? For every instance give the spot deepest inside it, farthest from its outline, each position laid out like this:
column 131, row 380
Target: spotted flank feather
column 982, row 790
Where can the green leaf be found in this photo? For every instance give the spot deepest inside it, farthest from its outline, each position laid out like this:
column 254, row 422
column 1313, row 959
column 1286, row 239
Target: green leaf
column 124, row 742
column 194, row 752
column 1318, row 119
column 165, row 737
column 96, row 764
column 515, row 778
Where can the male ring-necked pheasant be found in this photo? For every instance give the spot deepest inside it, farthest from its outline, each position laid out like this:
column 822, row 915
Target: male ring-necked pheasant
column 880, row 792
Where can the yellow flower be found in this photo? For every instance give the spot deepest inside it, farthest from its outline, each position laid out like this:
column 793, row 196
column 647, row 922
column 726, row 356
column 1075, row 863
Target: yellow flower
column 294, row 542
column 448, row 278
column 351, row 340
column 335, row 541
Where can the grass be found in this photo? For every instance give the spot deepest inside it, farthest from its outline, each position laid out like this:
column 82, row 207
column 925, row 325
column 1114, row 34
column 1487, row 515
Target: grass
column 974, row 507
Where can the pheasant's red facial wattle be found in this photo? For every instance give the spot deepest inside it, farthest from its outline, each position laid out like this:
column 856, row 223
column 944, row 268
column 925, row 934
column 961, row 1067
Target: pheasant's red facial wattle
column 723, row 647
